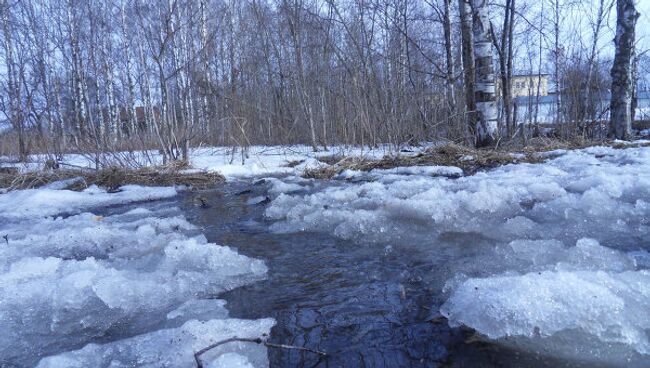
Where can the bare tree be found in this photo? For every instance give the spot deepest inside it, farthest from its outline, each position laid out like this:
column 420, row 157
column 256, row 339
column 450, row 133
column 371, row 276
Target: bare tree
column 622, row 83
column 485, row 88
column 125, row 75
column 14, row 82
column 467, row 41
column 597, row 26
column 505, row 54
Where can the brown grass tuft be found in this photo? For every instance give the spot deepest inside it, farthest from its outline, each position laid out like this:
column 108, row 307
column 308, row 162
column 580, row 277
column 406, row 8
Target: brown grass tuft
column 322, row 172
column 112, row 178
column 470, row 160
column 293, row 163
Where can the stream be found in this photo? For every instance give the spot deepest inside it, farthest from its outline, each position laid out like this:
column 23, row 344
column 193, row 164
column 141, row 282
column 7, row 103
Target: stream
column 365, row 305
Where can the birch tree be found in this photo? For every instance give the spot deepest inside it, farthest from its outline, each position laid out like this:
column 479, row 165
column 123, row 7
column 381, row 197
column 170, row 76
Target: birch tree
column 467, row 54
column 484, row 88
column 622, row 83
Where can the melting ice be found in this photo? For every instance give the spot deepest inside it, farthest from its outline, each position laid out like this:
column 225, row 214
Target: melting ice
column 550, row 258
column 136, row 288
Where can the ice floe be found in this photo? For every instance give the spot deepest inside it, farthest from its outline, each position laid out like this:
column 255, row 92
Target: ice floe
column 550, row 258
column 136, row 288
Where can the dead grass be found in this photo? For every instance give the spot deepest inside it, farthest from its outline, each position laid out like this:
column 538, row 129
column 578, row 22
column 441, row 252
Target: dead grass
column 330, row 159
column 112, row 178
column 293, row 163
column 470, row 160
column 323, row 172
column 620, row 145
column 543, row 144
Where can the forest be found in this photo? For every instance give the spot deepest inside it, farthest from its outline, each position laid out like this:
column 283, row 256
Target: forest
column 324, row 183
column 122, row 75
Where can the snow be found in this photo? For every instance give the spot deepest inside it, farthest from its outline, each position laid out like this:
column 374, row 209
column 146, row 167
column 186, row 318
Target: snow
column 260, row 160
column 174, row 347
column 269, row 160
column 550, row 258
column 542, row 256
column 397, row 172
column 48, row 201
column 612, row 306
column 141, row 284
column 552, row 200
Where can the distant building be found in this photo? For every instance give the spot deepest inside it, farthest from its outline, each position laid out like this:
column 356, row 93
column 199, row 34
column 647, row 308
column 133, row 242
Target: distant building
column 126, row 116
column 527, row 85
column 542, row 110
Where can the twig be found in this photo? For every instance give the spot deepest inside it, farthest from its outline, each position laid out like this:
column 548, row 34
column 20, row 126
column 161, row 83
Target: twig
column 199, row 363
column 301, row 348
column 75, row 166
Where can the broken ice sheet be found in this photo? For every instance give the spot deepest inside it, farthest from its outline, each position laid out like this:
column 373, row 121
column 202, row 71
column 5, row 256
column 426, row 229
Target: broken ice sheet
column 69, row 281
column 175, row 347
column 585, row 302
column 555, row 253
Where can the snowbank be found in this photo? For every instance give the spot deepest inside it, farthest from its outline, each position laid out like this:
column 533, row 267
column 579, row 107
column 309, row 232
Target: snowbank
column 550, row 256
column 69, row 281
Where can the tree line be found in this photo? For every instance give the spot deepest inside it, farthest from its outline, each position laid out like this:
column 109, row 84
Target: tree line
column 92, row 76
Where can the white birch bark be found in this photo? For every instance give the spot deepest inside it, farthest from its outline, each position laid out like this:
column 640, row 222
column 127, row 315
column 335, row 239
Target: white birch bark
column 484, row 88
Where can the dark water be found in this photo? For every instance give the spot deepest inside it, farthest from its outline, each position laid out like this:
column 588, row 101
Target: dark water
column 366, row 305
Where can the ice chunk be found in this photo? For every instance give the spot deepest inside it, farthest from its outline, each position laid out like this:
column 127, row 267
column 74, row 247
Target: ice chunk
column 49, row 202
column 278, row 186
column 610, row 306
column 62, row 184
column 575, row 195
column 174, row 348
column 231, row 360
column 448, row 171
column 203, row 309
column 66, row 282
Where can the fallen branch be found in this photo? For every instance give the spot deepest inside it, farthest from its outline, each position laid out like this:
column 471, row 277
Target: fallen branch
column 259, row 340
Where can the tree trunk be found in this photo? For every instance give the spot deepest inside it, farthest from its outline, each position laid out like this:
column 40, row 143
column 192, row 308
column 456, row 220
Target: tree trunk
column 449, row 59
column 484, row 89
column 635, row 80
column 556, row 62
column 130, row 110
column 505, row 63
column 13, row 84
column 468, row 61
column 621, row 111
column 586, row 98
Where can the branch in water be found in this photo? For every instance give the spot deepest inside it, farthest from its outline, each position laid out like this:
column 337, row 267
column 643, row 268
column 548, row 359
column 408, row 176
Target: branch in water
column 199, row 363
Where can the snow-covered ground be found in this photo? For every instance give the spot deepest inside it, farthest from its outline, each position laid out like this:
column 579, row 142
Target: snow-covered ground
column 551, row 258
column 130, row 289
column 260, row 160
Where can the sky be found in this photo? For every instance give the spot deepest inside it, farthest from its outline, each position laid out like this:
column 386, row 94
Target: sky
column 643, row 25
